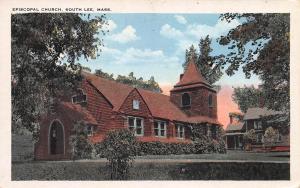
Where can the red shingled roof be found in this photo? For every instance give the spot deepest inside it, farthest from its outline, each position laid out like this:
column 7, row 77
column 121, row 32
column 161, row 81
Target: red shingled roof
column 76, row 110
column 159, row 104
column 191, row 76
column 115, row 92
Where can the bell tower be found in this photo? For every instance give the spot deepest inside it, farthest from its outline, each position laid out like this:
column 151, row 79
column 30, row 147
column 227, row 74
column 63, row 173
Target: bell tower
column 193, row 94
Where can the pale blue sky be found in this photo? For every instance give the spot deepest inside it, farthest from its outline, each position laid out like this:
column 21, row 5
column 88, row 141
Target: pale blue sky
column 154, row 44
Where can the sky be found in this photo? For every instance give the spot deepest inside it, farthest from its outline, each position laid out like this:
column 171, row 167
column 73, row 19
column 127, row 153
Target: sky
column 155, row 44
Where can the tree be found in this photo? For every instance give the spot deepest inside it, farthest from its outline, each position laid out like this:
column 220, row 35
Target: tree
column 81, row 146
column 100, row 73
column 209, row 66
column 270, row 136
column 120, row 147
column 45, row 48
column 247, row 97
column 261, row 46
column 150, row 84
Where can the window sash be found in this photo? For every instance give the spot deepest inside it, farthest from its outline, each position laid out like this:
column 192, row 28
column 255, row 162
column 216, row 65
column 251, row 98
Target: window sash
column 160, row 129
column 137, row 125
column 136, row 104
column 79, row 98
column 180, row 131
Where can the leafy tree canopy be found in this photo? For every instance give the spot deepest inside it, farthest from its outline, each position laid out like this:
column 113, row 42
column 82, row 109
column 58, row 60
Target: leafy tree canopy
column 247, row 97
column 45, row 48
column 261, row 46
column 100, row 73
column 150, row 84
column 208, row 65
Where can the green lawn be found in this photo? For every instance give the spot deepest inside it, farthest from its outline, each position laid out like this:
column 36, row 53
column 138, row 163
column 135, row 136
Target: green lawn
column 87, row 170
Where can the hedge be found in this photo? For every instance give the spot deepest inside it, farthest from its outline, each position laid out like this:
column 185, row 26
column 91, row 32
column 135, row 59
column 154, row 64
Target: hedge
column 160, row 148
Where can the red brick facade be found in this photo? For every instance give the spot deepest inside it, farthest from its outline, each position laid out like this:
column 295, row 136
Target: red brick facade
column 109, row 104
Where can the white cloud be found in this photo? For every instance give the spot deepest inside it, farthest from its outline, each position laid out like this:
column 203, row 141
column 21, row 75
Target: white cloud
column 201, row 30
column 135, row 56
column 184, row 44
column 170, row 32
column 144, row 56
column 126, row 35
column 110, row 25
column 110, row 51
column 180, row 19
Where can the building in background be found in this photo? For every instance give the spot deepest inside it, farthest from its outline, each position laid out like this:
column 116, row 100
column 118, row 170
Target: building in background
column 234, row 131
column 257, row 121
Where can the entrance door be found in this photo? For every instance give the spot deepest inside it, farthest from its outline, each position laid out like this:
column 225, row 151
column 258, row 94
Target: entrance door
column 56, row 138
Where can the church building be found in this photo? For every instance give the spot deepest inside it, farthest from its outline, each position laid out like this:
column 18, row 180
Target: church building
column 105, row 105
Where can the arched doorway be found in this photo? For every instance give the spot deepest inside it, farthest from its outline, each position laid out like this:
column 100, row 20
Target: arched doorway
column 56, row 138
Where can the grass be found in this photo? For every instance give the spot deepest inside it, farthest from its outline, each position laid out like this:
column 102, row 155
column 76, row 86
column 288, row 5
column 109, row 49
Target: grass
column 68, row 170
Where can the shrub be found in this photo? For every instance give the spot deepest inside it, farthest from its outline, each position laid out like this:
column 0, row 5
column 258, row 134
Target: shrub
column 270, row 136
column 80, row 144
column 120, row 147
column 250, row 136
column 198, row 146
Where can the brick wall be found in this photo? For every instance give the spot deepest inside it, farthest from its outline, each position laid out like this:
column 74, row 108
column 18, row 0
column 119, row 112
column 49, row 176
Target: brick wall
column 42, row 146
column 199, row 102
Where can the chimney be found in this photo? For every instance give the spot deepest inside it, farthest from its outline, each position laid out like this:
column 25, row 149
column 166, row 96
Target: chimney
column 181, row 75
column 261, row 102
column 230, row 117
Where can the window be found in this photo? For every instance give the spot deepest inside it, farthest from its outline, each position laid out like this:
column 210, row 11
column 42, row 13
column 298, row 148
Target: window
column 179, row 131
column 136, row 124
column 160, row 128
column 257, row 125
column 279, row 137
column 90, row 130
column 210, row 101
column 136, row 104
column 259, row 137
column 80, row 97
column 185, row 99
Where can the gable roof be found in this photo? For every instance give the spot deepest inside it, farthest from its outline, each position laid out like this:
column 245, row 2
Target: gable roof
column 160, row 105
column 77, row 111
column 256, row 113
column 191, row 76
column 113, row 91
column 235, row 127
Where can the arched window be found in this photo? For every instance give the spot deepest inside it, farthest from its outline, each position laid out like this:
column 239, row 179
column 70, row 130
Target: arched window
column 186, row 99
column 56, row 138
column 210, row 101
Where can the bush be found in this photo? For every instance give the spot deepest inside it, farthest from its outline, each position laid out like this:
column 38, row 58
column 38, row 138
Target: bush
column 198, row 146
column 120, row 147
column 270, row 136
column 250, row 137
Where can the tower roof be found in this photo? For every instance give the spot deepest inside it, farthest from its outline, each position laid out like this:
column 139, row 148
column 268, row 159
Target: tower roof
column 192, row 76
